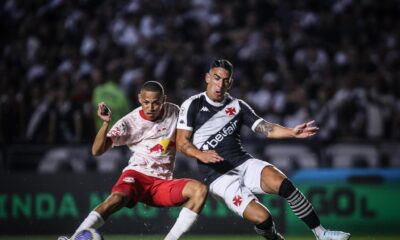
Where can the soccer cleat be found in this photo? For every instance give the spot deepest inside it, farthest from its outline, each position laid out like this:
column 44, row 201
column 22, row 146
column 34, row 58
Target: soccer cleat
column 62, row 238
column 334, row 235
column 278, row 236
column 272, row 234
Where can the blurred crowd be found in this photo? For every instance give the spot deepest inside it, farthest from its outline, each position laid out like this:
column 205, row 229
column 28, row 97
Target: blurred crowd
column 335, row 61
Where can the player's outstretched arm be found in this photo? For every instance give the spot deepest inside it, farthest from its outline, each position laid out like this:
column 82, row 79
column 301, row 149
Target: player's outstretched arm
column 272, row 130
column 100, row 144
column 185, row 146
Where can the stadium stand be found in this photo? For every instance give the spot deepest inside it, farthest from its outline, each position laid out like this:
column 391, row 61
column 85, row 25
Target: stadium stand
column 294, row 61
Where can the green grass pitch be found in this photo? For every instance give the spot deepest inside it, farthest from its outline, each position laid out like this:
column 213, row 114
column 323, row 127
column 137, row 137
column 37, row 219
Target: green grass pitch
column 199, row 237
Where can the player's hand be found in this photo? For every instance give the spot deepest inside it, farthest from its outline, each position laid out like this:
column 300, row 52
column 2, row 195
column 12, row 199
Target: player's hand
column 210, row 156
column 305, row 130
column 103, row 112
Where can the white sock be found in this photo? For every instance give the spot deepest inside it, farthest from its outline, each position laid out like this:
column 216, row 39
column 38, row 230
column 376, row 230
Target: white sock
column 185, row 220
column 93, row 220
column 318, row 231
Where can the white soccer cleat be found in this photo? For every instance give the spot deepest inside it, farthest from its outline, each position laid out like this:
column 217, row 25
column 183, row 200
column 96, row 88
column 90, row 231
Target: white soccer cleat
column 62, row 238
column 334, row 235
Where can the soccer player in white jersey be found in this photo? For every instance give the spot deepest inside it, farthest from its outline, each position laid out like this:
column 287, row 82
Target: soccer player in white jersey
column 209, row 130
column 149, row 131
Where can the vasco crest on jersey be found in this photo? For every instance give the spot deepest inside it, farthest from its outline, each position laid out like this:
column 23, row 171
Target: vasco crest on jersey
column 230, row 111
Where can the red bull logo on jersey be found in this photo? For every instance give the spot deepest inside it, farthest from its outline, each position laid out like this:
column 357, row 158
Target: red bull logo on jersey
column 163, row 147
column 226, row 131
column 158, row 148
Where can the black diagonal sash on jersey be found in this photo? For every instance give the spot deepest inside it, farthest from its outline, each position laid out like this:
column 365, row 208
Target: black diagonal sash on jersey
column 220, row 124
column 214, row 140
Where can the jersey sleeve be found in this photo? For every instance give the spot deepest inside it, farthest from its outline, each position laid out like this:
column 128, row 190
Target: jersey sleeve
column 120, row 133
column 250, row 118
column 187, row 115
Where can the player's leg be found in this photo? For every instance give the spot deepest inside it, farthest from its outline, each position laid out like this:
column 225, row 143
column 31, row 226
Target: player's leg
column 260, row 216
column 255, row 212
column 194, row 195
column 99, row 215
column 122, row 194
column 230, row 189
column 274, row 181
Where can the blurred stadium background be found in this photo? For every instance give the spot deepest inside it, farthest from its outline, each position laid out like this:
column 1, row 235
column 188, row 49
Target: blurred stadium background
column 335, row 61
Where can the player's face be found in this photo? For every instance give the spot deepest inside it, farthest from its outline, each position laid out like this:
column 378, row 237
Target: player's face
column 218, row 83
column 152, row 103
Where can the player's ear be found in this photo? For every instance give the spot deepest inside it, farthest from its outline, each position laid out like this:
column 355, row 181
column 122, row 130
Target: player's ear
column 208, row 77
column 230, row 83
column 140, row 98
column 164, row 98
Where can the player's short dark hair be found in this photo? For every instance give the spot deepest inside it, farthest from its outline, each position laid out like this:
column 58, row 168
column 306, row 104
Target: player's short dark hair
column 152, row 86
column 223, row 63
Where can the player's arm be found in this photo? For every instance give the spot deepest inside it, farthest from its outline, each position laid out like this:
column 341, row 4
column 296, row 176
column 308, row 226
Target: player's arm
column 101, row 142
column 273, row 130
column 185, row 146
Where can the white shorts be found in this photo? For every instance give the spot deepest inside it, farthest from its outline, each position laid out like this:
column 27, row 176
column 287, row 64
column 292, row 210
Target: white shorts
column 238, row 186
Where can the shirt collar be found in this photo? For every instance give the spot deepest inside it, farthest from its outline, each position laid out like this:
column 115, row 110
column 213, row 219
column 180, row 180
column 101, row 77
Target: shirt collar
column 141, row 112
column 217, row 104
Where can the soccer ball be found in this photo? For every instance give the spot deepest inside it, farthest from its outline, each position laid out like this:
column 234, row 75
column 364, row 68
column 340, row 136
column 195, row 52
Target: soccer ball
column 87, row 234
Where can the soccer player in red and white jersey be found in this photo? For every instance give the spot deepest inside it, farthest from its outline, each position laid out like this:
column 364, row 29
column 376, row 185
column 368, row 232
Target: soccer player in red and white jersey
column 149, row 132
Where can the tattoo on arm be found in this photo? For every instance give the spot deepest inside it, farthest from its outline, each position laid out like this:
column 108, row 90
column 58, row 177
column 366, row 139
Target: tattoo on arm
column 265, row 128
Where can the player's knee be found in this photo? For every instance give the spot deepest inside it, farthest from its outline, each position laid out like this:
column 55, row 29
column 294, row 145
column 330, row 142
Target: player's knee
column 260, row 217
column 272, row 179
column 199, row 191
column 256, row 213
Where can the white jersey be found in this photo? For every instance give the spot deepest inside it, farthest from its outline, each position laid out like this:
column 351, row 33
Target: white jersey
column 216, row 126
column 152, row 142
